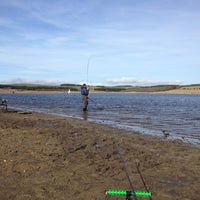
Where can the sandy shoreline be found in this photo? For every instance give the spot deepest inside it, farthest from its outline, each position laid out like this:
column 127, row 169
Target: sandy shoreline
column 47, row 157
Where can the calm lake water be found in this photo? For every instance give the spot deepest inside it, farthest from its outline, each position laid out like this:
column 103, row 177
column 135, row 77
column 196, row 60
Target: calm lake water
column 149, row 114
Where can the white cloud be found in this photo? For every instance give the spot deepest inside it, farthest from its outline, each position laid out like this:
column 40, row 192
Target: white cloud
column 136, row 82
column 112, row 82
column 32, row 81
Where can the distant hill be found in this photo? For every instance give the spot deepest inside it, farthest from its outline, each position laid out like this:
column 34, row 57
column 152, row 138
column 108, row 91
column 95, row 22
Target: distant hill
column 121, row 88
column 36, row 87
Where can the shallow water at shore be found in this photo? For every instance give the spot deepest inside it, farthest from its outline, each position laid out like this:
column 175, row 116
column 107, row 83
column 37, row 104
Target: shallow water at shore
column 178, row 115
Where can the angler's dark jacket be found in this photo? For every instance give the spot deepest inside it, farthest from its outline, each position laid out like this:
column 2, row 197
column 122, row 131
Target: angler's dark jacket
column 84, row 91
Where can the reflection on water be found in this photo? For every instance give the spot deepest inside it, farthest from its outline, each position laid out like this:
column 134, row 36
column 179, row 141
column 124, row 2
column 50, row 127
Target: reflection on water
column 150, row 114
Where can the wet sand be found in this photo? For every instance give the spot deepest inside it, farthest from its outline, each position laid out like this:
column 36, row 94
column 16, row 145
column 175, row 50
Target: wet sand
column 44, row 157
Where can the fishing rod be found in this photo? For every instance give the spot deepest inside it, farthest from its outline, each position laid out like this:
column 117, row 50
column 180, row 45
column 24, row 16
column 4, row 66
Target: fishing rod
column 132, row 193
column 92, row 100
column 137, row 165
column 128, row 194
column 88, row 63
column 96, row 104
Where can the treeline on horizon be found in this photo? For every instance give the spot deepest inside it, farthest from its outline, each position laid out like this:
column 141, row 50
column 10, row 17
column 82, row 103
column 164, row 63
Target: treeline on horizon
column 76, row 87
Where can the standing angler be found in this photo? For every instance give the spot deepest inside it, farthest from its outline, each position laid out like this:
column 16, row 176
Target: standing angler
column 84, row 93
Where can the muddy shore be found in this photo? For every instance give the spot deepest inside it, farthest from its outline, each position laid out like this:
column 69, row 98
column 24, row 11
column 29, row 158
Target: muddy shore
column 45, row 157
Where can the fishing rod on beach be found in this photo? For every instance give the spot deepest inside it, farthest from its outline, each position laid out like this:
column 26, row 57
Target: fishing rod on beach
column 126, row 193
column 132, row 193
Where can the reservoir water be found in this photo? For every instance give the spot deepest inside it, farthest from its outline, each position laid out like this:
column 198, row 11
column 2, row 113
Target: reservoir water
column 179, row 115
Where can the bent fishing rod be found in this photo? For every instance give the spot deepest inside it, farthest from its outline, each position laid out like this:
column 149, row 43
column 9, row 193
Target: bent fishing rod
column 88, row 63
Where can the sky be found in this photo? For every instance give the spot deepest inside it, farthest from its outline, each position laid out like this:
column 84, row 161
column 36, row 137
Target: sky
column 100, row 42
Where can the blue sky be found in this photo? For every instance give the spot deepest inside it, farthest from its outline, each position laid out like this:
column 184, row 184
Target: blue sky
column 109, row 42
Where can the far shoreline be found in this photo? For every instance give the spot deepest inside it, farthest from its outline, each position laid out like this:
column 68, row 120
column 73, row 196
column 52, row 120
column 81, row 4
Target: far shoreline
column 175, row 91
